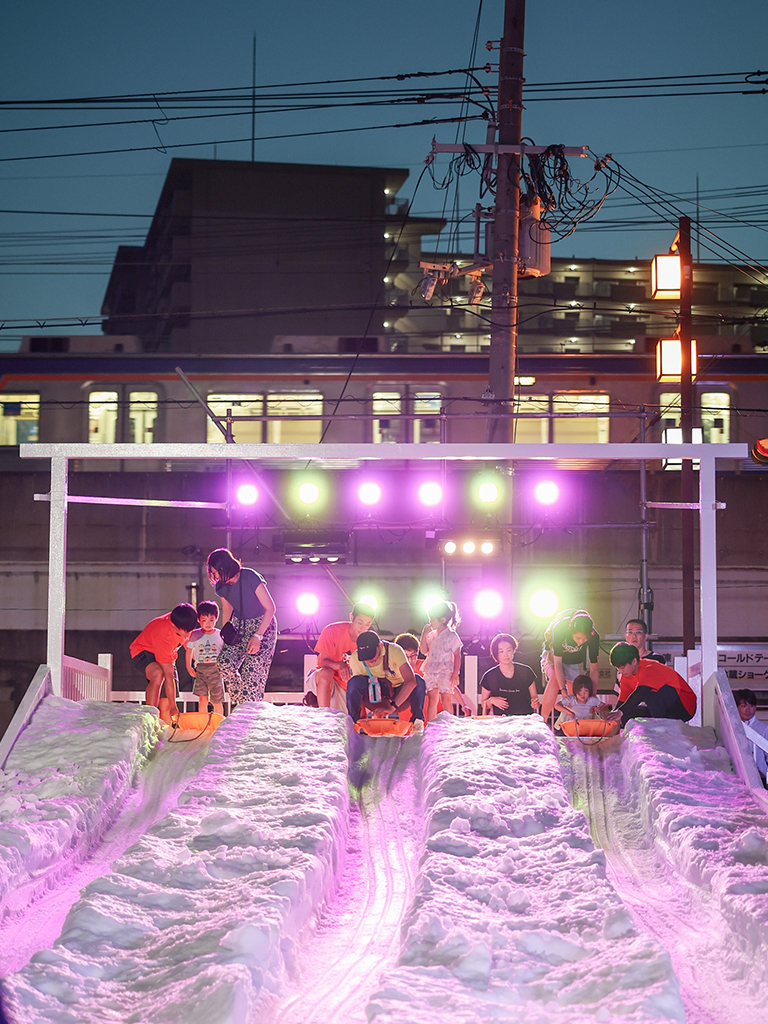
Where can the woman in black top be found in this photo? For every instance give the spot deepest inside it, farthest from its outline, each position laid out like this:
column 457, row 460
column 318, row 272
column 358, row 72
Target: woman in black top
column 248, row 605
column 510, row 687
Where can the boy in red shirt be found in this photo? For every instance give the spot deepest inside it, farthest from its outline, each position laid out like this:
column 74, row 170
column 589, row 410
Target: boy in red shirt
column 154, row 650
column 650, row 690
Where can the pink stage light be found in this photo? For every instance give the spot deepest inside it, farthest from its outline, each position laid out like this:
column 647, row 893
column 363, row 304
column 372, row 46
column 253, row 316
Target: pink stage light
column 307, row 604
column 369, row 493
column 489, row 604
column 247, row 494
column 546, row 492
column 430, row 493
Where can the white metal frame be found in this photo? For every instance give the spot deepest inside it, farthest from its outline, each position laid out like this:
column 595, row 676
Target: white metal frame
column 61, row 454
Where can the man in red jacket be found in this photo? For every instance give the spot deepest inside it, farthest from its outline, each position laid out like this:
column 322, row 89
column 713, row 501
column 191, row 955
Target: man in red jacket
column 650, row 690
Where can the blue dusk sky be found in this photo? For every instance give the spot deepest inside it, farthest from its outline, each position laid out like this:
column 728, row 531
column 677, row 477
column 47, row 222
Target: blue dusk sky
column 73, row 186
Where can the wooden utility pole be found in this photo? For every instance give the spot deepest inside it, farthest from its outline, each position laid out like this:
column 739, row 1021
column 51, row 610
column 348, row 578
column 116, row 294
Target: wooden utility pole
column 503, row 354
column 686, row 425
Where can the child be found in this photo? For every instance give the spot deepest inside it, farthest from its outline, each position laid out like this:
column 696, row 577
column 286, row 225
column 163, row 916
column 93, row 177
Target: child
column 154, row 654
column 442, row 646
column 582, row 704
column 203, row 649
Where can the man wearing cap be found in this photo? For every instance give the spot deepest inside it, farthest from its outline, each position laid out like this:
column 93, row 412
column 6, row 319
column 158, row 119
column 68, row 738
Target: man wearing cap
column 382, row 680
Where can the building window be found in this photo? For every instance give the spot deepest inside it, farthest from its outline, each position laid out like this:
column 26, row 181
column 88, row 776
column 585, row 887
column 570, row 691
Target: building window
column 529, row 430
column 102, row 417
column 247, row 432
column 427, row 403
column 716, row 417
column 20, row 418
column 669, row 410
column 388, row 406
column 142, row 413
column 588, row 430
column 303, row 403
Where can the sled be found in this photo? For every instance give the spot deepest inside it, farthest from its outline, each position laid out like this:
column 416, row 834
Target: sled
column 595, row 729
column 384, row 727
column 198, row 721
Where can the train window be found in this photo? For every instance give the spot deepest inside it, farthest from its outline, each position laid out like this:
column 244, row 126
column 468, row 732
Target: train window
column 301, row 403
column 20, row 417
column 669, row 410
column 716, row 417
column 250, row 431
column 388, row 405
column 428, row 403
column 530, row 430
column 102, row 417
column 588, row 430
column 142, row 413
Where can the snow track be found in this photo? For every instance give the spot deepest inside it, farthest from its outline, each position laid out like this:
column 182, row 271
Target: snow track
column 716, row 982
column 358, row 936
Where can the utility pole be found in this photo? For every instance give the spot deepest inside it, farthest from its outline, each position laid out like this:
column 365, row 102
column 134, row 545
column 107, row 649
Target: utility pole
column 686, row 425
column 504, row 309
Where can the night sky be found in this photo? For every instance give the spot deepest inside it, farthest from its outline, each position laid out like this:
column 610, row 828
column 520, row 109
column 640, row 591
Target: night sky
column 57, row 266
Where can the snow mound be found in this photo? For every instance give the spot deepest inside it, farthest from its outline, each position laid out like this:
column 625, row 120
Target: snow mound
column 705, row 823
column 514, row 918
column 64, row 784
column 200, row 917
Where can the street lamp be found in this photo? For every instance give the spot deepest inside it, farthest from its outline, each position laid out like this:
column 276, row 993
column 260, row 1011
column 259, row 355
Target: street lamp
column 669, row 359
column 666, row 277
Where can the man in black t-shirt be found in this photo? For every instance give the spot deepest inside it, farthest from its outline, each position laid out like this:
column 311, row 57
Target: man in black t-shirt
column 508, row 688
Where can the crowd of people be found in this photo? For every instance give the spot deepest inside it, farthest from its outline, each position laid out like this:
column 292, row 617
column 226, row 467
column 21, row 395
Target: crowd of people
column 361, row 673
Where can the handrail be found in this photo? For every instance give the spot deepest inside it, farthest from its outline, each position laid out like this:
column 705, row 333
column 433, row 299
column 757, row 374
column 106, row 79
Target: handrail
column 82, row 680
column 730, row 729
column 40, row 687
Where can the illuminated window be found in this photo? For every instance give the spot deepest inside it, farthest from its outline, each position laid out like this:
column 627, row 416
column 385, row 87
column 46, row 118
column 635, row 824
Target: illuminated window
column 102, row 417
column 241, row 405
column 142, row 413
column 669, row 410
column 388, row 405
column 532, row 431
column 19, row 420
column 427, row 403
column 716, row 417
column 302, row 403
column 594, row 430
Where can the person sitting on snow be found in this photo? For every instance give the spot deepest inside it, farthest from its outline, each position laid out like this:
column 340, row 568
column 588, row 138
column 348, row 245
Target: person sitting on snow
column 382, row 680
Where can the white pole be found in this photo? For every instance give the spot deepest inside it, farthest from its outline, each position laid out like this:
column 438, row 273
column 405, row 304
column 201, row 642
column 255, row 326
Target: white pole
column 57, row 570
column 708, row 561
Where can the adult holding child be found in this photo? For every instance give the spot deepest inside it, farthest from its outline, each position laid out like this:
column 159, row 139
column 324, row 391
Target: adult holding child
column 249, row 626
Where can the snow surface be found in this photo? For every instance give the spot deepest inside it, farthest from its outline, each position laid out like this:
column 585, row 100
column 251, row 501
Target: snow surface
column 65, row 781
column 295, row 872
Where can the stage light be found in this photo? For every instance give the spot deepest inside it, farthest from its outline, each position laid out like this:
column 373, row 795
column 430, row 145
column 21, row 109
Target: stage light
column 466, row 543
column 369, row 493
column 488, row 492
column 489, row 604
column 449, row 547
column 430, row 493
column 468, row 547
column 301, row 546
column 247, row 494
column 309, row 493
column 307, row 604
column 370, row 599
column 314, row 558
column 546, row 492
column 487, row 547
column 432, row 600
column 544, row 603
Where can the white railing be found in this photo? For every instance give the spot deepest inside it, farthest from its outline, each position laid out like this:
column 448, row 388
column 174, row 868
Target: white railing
column 81, row 680
column 40, row 687
column 730, row 728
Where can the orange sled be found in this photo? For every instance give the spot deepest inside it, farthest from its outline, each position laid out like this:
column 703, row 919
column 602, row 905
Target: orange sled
column 596, row 728
column 383, row 727
column 199, row 721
